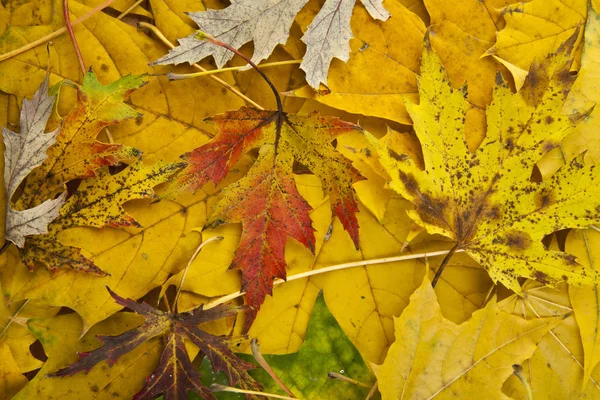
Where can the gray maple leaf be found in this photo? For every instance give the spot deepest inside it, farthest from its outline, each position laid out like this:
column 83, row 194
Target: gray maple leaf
column 267, row 24
column 23, row 152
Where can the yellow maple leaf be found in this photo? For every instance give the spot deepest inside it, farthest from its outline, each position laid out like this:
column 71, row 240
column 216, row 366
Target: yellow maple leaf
column 433, row 357
column 485, row 201
column 460, row 35
column 584, row 95
column 555, row 370
column 392, row 46
column 534, row 29
column 585, row 244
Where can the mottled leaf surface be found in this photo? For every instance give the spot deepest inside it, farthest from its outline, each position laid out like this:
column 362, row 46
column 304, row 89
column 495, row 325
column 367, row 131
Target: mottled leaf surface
column 97, row 203
column 485, row 201
column 76, row 153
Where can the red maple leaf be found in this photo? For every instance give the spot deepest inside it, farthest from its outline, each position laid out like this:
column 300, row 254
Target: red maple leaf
column 266, row 201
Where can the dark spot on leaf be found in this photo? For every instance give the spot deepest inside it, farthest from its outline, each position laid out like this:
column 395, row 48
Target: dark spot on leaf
column 547, row 146
column 541, row 277
column 517, row 240
column 510, row 144
column 549, row 119
column 104, row 68
column 570, row 258
column 409, row 183
column 493, row 213
column 543, row 199
column 396, row 156
column 499, row 80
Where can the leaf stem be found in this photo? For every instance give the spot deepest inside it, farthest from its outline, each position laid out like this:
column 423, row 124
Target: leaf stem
column 263, row 363
column 338, row 267
column 130, row 9
column 212, row 239
column 372, row 391
column 443, row 265
column 170, row 45
column 54, row 34
column 518, row 372
column 217, row 42
column 175, row 77
column 340, row 377
column 5, row 246
column 12, row 318
column 72, row 35
column 215, row 387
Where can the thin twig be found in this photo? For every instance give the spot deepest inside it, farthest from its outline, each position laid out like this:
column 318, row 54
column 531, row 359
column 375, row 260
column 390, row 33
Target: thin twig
column 5, row 246
column 340, row 377
column 263, row 363
column 443, row 265
column 175, row 77
column 215, row 387
column 212, row 239
column 130, row 9
column 54, row 34
column 372, row 391
column 332, row 268
column 72, row 35
column 166, row 301
column 11, row 319
column 170, row 45
column 217, row 42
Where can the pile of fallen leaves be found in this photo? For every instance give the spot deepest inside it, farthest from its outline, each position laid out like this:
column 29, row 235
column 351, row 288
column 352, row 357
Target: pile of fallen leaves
column 394, row 199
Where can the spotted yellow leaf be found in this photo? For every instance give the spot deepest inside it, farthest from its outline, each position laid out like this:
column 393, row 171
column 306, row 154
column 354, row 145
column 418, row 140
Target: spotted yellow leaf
column 485, row 201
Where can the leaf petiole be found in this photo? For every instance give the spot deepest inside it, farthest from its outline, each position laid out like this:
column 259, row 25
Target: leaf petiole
column 170, row 45
column 263, row 363
column 69, row 27
column 175, row 77
column 215, row 387
column 209, row 38
column 338, row 267
column 207, row 241
column 443, row 265
column 54, row 34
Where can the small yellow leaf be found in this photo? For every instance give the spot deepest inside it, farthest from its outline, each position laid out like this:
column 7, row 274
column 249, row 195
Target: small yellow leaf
column 432, row 357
